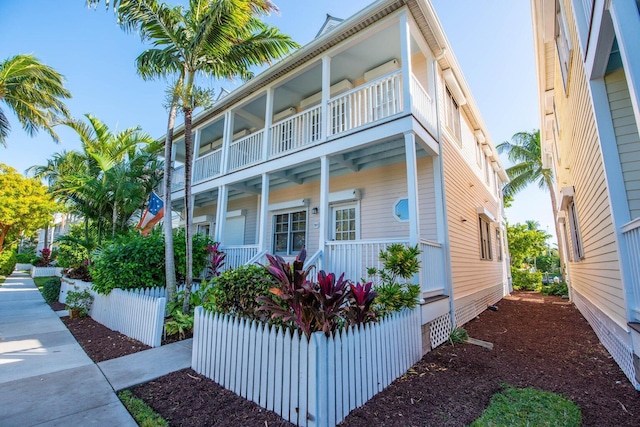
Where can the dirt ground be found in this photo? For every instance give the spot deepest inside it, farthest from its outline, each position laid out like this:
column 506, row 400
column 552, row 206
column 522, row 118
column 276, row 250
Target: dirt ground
column 540, row 342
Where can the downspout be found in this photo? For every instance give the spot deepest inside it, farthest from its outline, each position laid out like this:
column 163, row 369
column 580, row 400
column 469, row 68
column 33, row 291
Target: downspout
column 446, row 249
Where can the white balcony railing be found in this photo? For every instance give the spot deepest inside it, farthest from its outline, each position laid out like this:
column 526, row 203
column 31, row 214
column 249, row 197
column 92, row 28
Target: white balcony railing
column 177, row 178
column 353, row 258
column 432, row 278
column 631, row 233
column 238, row 255
column 366, row 104
column 297, row 131
column 423, row 106
column 208, row 166
column 246, row 151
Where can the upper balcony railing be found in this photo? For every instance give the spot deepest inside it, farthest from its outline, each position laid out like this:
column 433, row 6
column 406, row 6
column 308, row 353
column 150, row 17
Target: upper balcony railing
column 358, row 107
column 177, row 178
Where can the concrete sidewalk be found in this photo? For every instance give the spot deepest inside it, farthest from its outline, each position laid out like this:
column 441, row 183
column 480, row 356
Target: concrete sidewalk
column 46, row 378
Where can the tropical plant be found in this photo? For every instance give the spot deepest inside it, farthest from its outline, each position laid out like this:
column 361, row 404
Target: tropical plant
column 458, row 336
column 79, row 300
column 26, row 258
column 179, row 323
column 525, row 152
column 34, row 92
column 216, row 261
column 221, row 39
column 360, row 308
column 77, row 246
column 45, row 258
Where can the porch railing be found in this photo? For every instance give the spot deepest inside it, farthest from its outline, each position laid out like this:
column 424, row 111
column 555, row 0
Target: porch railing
column 354, row 257
column 177, row 178
column 246, row 151
column 239, row 255
column 297, row 131
column 631, row 233
column 423, row 106
column 432, row 267
column 208, row 166
column 366, row 104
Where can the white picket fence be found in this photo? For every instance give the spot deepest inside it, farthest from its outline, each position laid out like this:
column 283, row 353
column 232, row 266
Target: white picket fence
column 135, row 315
column 313, row 382
column 20, row 267
column 46, row 271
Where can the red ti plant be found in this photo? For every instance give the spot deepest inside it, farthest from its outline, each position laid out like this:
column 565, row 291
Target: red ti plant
column 216, row 260
column 360, row 301
column 331, row 296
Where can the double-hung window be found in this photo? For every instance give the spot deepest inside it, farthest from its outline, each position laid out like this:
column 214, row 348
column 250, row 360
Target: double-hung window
column 574, row 230
column 563, row 42
column 485, row 239
column 452, row 115
column 345, row 222
column 290, row 232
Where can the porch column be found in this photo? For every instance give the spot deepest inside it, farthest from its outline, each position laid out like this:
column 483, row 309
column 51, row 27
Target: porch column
column 326, row 94
column 405, row 55
column 324, row 205
column 412, row 187
column 626, row 23
column 221, row 213
column 227, row 139
column 268, row 121
column 264, row 211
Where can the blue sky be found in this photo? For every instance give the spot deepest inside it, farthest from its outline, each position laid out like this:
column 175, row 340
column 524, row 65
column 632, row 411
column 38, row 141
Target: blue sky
column 492, row 40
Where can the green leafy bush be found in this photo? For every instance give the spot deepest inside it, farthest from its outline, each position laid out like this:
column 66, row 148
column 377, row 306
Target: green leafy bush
column 179, row 324
column 79, row 300
column 133, row 261
column 26, row 258
column 557, row 289
column 7, row 262
column 525, row 281
column 76, row 247
column 51, row 289
column 235, row 291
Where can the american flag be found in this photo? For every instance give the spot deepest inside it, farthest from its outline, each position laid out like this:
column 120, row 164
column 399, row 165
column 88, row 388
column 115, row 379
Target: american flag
column 153, row 214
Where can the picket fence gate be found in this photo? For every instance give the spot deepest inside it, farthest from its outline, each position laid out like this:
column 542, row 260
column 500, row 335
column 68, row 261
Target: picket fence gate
column 137, row 316
column 314, row 382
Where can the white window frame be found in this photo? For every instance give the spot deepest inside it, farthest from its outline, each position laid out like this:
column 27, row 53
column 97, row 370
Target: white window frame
column 289, row 212
column 452, row 115
column 343, row 206
column 563, row 43
column 487, row 170
column 499, row 244
column 484, row 228
column 574, row 230
column 393, row 209
column 479, row 153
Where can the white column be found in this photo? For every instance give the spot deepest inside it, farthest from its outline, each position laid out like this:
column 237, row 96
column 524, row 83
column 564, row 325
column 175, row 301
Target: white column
column 324, row 202
column 326, row 94
column 405, row 55
column 268, row 121
column 412, row 187
column 626, row 22
column 264, row 212
column 221, row 213
column 227, row 139
column 439, row 199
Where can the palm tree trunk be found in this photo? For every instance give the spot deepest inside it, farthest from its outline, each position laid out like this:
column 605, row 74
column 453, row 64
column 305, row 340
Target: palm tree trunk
column 187, row 207
column 555, row 223
column 114, row 219
column 169, row 259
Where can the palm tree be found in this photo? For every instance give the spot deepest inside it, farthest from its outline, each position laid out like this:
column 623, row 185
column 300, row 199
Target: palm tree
column 525, row 152
column 34, row 92
column 221, row 39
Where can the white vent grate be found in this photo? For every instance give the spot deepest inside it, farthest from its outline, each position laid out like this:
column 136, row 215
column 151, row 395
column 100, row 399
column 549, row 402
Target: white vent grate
column 621, row 352
column 440, row 330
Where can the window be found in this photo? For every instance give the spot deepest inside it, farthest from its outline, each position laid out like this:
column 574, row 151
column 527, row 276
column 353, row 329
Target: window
column 487, row 170
column 452, row 115
column 485, row 239
column 345, row 222
column 401, row 210
column 499, row 245
column 563, row 44
column 479, row 153
column 203, row 229
column 574, row 231
column 290, row 231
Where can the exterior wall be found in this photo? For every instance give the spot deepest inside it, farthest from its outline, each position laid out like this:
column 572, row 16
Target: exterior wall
column 248, row 204
column 597, row 276
column 627, row 139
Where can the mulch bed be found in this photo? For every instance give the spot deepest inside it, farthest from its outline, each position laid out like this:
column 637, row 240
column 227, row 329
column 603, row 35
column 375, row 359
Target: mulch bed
column 57, row 306
column 540, row 342
column 99, row 342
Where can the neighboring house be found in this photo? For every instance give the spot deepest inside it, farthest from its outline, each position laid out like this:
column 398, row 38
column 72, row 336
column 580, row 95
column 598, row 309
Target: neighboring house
column 366, row 136
column 588, row 60
column 60, row 226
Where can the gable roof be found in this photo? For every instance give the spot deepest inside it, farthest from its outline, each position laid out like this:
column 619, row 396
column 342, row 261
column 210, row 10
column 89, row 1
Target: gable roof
column 329, row 24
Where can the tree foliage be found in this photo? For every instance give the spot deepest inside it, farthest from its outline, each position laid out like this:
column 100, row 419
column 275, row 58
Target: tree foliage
column 25, row 206
column 526, row 242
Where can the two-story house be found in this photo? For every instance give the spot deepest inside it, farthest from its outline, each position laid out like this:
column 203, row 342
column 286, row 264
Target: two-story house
column 588, row 66
column 366, row 136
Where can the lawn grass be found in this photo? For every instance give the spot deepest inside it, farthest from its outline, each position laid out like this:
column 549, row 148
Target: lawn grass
column 517, row 407
column 140, row 411
column 39, row 281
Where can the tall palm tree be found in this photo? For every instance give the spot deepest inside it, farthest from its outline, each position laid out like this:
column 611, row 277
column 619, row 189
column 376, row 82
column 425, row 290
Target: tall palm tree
column 218, row 38
column 34, row 92
column 525, row 152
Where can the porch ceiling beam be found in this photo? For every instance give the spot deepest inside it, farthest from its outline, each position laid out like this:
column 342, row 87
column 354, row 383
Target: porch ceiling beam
column 288, row 176
column 251, row 118
column 244, row 188
column 348, row 163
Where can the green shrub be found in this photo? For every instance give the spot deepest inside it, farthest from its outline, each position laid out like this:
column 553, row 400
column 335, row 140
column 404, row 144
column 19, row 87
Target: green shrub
column 458, row 336
column 179, row 324
column 7, row 262
column 557, row 289
column 26, row 258
column 235, row 291
column 51, row 289
column 525, row 281
column 133, row 261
